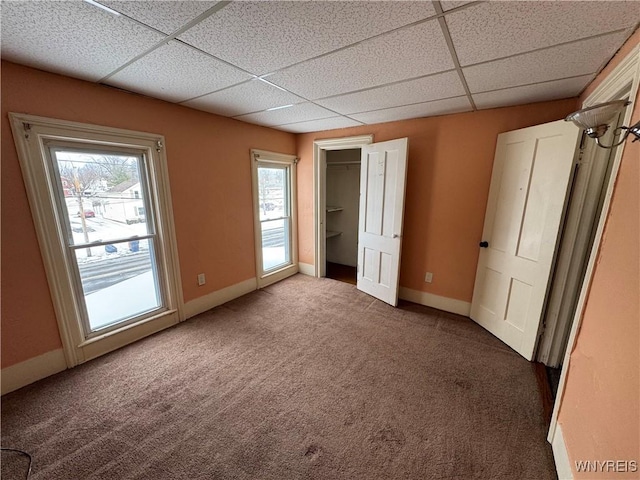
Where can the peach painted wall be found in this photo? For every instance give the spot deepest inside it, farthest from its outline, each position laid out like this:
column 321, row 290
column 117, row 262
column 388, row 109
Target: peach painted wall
column 449, row 171
column 600, row 409
column 210, row 176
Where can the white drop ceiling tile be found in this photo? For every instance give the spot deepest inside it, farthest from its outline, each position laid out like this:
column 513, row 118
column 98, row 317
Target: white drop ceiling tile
column 497, row 29
column 264, row 36
column 301, row 112
column 176, row 72
column 71, row 38
column 400, row 55
column 449, row 4
column 553, row 63
column 320, row 125
column 429, row 109
column 565, row 88
column 166, row 16
column 442, row 85
column 248, row 97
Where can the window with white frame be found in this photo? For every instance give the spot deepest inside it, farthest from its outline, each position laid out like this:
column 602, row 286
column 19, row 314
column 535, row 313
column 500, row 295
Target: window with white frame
column 101, row 206
column 274, row 179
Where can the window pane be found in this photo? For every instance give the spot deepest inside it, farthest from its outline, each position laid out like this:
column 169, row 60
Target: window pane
column 119, row 281
column 275, row 243
column 103, row 195
column 272, row 192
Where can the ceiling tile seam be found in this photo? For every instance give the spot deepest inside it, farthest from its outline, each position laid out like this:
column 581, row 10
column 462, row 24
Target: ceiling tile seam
column 388, row 84
column 351, row 45
column 253, row 77
column 207, row 13
column 463, row 7
column 218, row 6
column 346, row 115
column 216, row 91
column 533, row 83
column 326, row 118
column 270, row 108
column 314, row 101
column 454, row 55
column 280, row 124
column 221, row 60
column 353, row 119
column 612, row 32
column 241, row 83
column 305, row 100
column 135, row 20
column 606, row 62
column 408, row 25
column 403, row 105
column 292, row 105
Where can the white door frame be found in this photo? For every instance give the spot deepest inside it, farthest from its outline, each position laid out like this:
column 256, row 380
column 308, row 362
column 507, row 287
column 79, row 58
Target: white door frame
column 320, row 148
column 28, row 131
column 583, row 209
column 623, row 81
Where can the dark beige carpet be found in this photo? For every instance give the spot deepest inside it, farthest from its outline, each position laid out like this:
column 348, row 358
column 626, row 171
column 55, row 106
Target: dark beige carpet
column 305, row 379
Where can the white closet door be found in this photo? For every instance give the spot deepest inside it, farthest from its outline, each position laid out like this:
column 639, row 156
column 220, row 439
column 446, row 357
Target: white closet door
column 529, row 185
column 382, row 189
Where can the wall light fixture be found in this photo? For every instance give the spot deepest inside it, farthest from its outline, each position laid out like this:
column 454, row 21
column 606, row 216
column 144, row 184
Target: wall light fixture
column 595, row 121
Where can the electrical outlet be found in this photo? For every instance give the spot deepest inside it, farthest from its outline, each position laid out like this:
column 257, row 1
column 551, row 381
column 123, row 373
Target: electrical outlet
column 201, row 279
column 428, row 277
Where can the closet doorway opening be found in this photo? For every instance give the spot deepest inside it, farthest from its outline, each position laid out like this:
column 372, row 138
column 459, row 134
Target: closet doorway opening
column 342, row 214
column 337, row 195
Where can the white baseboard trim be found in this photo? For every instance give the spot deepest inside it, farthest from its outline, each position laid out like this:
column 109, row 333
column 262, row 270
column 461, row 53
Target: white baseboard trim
column 307, row 269
column 36, row 368
column 436, row 301
column 560, row 455
column 213, row 299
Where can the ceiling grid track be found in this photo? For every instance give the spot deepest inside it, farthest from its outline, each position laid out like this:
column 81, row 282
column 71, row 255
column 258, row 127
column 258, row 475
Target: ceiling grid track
column 378, row 62
column 452, row 51
column 217, row 7
column 373, row 37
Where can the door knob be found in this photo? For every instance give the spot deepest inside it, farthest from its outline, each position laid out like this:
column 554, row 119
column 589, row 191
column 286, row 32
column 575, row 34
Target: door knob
column 395, row 235
column 484, row 244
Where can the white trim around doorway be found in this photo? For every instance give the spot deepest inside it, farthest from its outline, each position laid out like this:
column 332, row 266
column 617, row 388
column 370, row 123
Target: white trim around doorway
column 623, row 81
column 320, row 148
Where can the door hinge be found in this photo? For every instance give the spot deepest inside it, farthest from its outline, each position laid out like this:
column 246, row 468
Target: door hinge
column 580, row 159
column 543, row 327
column 583, row 139
column 27, row 129
column 159, row 145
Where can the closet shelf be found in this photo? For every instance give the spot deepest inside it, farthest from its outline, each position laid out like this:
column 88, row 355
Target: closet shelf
column 334, row 209
column 331, row 233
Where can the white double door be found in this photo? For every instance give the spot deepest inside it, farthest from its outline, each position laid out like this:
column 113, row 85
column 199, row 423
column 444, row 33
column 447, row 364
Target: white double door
column 529, row 188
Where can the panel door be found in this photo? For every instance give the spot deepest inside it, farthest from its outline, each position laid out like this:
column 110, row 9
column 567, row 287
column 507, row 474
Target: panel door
column 529, row 187
column 383, row 174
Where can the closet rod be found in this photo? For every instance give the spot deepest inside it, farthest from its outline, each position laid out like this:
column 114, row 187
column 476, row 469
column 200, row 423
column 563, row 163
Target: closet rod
column 343, row 163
